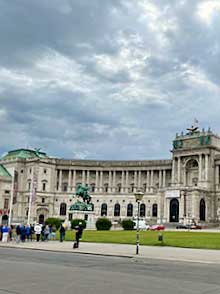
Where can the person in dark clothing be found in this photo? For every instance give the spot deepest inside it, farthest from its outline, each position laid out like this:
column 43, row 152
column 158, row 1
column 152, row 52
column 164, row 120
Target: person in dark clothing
column 18, row 233
column 62, row 233
column 79, row 232
column 23, row 233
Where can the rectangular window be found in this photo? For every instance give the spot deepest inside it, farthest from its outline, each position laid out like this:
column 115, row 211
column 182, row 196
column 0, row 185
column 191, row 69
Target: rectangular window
column 6, row 202
column 43, row 200
column 44, row 187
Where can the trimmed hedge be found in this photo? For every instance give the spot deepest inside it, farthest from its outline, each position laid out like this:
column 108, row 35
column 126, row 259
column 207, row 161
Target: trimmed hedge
column 103, row 224
column 54, row 222
column 75, row 222
column 128, row 224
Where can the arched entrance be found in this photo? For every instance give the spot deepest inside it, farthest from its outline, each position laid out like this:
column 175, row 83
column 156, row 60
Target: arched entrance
column 41, row 219
column 5, row 219
column 202, row 210
column 174, row 210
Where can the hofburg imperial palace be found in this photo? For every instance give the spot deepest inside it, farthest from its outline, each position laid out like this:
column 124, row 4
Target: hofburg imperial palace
column 184, row 188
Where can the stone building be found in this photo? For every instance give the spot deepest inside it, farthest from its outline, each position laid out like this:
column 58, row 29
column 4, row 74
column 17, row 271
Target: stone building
column 181, row 189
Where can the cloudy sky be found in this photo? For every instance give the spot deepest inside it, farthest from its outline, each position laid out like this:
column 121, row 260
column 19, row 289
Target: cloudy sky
column 107, row 79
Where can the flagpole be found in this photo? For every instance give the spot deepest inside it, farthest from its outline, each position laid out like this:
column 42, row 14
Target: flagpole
column 11, row 199
column 30, row 198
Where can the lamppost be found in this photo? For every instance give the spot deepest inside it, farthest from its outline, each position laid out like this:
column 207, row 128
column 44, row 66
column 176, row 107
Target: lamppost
column 138, row 197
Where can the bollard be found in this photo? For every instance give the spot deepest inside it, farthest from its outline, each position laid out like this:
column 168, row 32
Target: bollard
column 160, row 237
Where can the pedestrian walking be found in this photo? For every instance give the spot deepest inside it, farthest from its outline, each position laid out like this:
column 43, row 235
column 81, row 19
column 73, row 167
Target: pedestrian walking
column 78, row 236
column 53, row 233
column 62, row 233
column 37, row 229
column 47, row 233
column 5, row 231
column 18, row 233
column 23, row 233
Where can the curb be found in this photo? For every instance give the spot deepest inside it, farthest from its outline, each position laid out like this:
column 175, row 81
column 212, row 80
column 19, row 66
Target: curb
column 70, row 252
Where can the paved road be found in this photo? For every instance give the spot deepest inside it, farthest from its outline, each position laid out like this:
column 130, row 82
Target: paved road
column 26, row 271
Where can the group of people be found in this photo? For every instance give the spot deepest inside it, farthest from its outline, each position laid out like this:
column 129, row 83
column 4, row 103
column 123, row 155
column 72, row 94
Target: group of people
column 22, row 233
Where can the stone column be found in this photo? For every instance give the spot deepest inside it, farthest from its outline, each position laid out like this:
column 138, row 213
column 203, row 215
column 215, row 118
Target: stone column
column 122, row 181
column 60, row 180
column 135, row 181
column 217, row 176
column 160, row 178
column 96, row 181
column 126, row 181
column 110, row 181
column 69, row 180
column 206, row 167
column 200, row 167
column 101, row 182
column 56, row 180
column 151, row 180
column 83, row 177
column 148, row 181
column 74, row 181
column 139, row 180
column 88, row 177
column 173, row 171
column 179, row 171
column 164, row 178
column 114, row 182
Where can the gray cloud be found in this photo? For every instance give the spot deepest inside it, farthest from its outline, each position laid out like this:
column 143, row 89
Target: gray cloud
column 107, row 79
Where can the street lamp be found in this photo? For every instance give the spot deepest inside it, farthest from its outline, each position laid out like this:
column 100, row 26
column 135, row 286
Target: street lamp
column 138, row 197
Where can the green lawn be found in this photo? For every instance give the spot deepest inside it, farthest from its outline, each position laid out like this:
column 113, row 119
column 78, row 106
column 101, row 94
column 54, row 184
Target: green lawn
column 175, row 239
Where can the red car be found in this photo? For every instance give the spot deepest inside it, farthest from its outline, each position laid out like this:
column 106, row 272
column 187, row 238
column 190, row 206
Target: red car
column 157, row 228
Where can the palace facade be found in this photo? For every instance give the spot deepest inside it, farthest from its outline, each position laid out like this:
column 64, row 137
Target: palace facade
column 181, row 189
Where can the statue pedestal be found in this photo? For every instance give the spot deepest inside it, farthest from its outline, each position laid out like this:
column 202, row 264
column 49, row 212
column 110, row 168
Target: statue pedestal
column 88, row 216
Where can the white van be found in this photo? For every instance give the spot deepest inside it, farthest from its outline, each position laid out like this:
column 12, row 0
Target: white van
column 142, row 225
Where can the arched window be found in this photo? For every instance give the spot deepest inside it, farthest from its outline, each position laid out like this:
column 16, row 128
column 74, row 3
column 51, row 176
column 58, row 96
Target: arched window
column 117, row 209
column 104, row 209
column 202, row 210
column 154, row 210
column 63, row 209
column 130, row 209
column 142, row 210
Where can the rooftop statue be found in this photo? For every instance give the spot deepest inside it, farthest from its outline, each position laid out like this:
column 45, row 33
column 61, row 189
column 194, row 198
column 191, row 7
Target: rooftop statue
column 194, row 126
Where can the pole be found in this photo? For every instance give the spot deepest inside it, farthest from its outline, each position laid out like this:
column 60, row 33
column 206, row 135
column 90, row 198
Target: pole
column 11, row 199
column 137, row 232
column 30, row 198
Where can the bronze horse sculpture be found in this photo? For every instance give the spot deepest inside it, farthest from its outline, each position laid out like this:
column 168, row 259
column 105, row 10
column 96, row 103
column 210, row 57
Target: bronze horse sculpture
column 82, row 191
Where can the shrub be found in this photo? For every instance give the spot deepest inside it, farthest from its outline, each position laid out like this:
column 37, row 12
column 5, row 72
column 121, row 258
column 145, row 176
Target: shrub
column 75, row 222
column 54, row 222
column 128, row 224
column 103, row 224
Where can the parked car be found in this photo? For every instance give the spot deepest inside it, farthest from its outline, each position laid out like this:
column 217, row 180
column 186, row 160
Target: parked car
column 184, row 227
column 189, row 226
column 157, row 228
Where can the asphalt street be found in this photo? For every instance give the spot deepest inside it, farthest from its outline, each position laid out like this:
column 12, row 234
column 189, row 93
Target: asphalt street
column 28, row 271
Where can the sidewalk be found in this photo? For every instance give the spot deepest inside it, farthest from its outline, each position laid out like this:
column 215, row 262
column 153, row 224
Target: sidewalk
column 122, row 250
